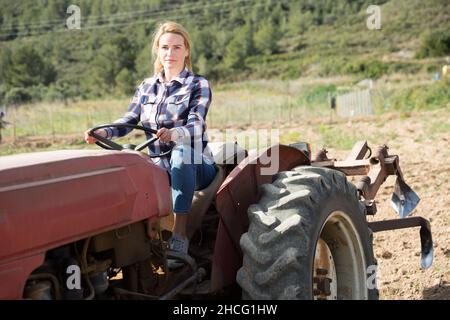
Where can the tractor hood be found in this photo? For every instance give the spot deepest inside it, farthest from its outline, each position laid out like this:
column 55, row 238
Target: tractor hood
column 29, row 167
column 51, row 198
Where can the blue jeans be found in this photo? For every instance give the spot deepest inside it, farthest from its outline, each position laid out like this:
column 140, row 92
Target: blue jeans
column 188, row 172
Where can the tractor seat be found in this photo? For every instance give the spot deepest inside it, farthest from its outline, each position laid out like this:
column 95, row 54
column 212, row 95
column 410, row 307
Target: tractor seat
column 227, row 153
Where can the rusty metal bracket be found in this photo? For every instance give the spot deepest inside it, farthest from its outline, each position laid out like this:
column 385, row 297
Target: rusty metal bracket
column 426, row 240
column 374, row 170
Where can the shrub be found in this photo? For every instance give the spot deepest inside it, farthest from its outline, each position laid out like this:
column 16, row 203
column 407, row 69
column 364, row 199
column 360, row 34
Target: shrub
column 435, row 44
column 17, row 95
column 369, row 68
column 429, row 97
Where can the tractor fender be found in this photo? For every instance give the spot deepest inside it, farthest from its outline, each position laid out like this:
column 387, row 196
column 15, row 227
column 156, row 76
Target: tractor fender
column 240, row 189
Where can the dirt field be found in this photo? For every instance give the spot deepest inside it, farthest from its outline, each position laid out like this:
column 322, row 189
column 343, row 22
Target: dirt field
column 422, row 142
column 423, row 146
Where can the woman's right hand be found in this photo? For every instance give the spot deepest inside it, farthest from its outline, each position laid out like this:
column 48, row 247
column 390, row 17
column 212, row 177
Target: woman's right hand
column 90, row 139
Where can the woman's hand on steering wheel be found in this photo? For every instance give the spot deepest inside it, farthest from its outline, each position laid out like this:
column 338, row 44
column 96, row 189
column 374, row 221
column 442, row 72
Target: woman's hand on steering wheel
column 98, row 136
column 90, row 139
column 167, row 135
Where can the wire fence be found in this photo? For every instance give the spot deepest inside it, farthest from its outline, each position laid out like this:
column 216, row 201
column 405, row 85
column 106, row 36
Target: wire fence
column 357, row 103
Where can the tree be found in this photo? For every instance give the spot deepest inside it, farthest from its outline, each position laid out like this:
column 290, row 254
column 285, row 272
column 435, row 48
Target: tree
column 435, row 44
column 299, row 22
column 202, row 66
column 222, row 39
column 5, row 62
column 240, row 46
column 107, row 65
column 125, row 82
column 126, row 51
column 266, row 38
column 17, row 95
column 144, row 63
column 28, row 68
column 234, row 56
column 203, row 43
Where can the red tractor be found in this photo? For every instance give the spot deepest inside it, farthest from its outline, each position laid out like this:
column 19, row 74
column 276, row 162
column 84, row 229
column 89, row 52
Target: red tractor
column 87, row 224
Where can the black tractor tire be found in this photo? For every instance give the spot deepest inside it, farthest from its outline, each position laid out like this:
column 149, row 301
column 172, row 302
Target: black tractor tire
column 279, row 249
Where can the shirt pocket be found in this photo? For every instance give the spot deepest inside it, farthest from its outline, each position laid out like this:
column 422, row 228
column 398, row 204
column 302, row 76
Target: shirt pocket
column 178, row 104
column 147, row 99
column 148, row 107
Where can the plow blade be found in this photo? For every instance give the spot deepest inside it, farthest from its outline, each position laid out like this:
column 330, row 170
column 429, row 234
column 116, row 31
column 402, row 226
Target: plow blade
column 404, row 199
column 426, row 240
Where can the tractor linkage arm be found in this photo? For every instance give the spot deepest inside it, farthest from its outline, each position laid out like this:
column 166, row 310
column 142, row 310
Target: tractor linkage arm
column 374, row 170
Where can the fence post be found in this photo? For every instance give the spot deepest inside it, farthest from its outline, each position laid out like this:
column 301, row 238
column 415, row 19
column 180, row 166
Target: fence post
column 14, row 122
column 289, row 102
column 52, row 123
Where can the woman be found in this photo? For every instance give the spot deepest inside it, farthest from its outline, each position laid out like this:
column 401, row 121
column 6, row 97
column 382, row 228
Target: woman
column 175, row 103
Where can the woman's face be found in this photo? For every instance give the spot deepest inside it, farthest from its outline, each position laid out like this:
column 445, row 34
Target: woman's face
column 172, row 52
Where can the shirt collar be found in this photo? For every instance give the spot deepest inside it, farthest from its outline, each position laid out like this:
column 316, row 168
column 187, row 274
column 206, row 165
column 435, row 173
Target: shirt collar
column 180, row 78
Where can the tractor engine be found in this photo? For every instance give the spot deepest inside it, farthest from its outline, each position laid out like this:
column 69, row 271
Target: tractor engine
column 113, row 265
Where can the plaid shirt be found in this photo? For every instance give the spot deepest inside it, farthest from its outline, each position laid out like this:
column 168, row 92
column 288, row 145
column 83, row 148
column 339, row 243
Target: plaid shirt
column 182, row 104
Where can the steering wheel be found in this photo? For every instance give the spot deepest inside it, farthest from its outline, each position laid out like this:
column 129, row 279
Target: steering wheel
column 111, row 145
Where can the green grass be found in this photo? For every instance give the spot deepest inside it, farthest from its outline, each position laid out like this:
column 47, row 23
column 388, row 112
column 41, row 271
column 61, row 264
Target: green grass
column 290, row 137
column 332, row 137
column 429, row 97
column 9, row 149
column 242, row 105
column 48, row 119
column 438, row 126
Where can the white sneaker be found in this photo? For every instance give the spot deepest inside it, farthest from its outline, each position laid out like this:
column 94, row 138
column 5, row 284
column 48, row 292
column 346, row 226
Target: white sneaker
column 178, row 245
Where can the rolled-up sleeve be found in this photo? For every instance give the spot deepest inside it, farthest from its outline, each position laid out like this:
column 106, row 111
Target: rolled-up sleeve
column 132, row 116
column 198, row 109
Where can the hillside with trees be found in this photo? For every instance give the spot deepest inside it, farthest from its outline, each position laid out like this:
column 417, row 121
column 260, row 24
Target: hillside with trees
column 41, row 59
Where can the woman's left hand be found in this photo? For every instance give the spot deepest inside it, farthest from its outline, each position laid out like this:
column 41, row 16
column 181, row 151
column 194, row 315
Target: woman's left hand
column 167, row 135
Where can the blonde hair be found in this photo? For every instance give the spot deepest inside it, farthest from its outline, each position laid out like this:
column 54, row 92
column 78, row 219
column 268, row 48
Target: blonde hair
column 170, row 27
